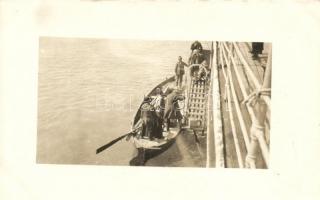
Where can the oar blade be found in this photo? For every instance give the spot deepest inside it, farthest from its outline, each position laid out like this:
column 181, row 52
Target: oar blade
column 106, row 146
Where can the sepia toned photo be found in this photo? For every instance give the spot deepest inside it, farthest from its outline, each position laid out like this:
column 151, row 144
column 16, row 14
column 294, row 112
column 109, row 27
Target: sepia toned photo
column 119, row 99
column 158, row 103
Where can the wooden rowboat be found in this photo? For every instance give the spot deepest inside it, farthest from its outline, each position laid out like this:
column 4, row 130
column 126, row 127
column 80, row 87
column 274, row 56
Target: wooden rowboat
column 149, row 148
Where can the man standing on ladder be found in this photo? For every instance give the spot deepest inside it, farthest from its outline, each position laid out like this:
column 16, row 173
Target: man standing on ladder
column 196, row 45
column 180, row 71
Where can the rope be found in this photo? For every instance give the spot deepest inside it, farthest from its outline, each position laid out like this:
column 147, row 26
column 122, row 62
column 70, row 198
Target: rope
column 251, row 99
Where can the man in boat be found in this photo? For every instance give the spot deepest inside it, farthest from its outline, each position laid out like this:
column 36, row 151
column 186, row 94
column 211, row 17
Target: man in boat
column 172, row 109
column 158, row 103
column 180, row 71
column 151, row 116
column 147, row 116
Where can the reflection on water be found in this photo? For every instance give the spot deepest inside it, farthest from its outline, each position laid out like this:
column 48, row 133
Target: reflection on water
column 89, row 90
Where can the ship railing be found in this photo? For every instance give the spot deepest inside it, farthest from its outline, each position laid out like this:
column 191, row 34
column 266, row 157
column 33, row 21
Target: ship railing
column 256, row 100
column 215, row 135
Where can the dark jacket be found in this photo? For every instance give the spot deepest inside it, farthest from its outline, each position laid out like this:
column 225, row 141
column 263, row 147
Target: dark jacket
column 171, row 107
column 180, row 68
column 196, row 45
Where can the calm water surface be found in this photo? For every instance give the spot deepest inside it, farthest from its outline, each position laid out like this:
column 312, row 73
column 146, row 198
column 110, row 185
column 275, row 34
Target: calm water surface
column 89, row 90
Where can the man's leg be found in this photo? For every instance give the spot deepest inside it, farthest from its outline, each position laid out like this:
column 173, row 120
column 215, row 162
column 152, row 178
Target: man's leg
column 177, row 80
column 179, row 123
column 181, row 79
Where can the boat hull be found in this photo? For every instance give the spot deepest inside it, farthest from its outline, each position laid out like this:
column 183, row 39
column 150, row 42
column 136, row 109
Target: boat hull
column 150, row 148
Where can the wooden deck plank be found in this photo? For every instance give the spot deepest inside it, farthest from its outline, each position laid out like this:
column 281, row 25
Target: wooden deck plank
column 230, row 151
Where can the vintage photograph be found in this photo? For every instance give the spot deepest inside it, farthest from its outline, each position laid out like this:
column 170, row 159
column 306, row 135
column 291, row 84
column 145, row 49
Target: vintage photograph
column 126, row 102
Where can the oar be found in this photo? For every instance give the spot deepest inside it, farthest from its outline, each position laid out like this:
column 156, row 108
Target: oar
column 132, row 133
column 106, row 146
